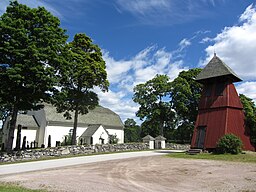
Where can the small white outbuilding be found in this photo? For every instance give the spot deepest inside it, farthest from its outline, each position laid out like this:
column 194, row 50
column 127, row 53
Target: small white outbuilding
column 160, row 142
column 150, row 140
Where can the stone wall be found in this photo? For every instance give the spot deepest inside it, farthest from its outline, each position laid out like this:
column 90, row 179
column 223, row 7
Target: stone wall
column 175, row 146
column 42, row 153
column 32, row 154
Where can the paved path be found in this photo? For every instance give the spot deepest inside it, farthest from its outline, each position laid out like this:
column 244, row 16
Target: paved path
column 56, row 163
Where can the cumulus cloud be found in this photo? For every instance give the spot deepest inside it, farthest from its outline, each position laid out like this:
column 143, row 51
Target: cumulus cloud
column 119, row 103
column 142, row 67
column 124, row 74
column 248, row 89
column 236, row 45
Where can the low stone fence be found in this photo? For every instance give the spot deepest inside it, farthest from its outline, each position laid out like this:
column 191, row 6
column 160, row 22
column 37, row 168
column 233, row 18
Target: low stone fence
column 41, row 153
column 32, row 154
column 175, row 146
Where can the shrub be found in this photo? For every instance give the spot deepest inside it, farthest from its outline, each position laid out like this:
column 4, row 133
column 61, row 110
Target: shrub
column 229, row 143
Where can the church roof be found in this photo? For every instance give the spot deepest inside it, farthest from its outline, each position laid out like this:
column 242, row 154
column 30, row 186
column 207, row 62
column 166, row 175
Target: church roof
column 97, row 116
column 217, row 68
column 26, row 121
column 89, row 132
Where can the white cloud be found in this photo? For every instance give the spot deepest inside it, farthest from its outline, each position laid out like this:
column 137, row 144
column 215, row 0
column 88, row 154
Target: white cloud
column 116, row 69
column 32, row 4
column 142, row 67
column 166, row 12
column 143, row 7
column 119, row 103
column 236, row 45
column 248, row 89
column 184, row 43
column 125, row 74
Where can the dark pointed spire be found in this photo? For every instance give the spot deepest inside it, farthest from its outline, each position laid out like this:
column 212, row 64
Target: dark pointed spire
column 217, row 68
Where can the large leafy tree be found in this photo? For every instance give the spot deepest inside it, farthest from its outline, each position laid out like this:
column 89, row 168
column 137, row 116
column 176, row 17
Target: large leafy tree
column 30, row 43
column 131, row 131
column 170, row 106
column 151, row 96
column 84, row 69
column 185, row 96
column 250, row 116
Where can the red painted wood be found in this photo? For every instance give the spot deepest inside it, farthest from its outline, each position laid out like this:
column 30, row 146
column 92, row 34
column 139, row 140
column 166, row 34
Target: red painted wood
column 221, row 114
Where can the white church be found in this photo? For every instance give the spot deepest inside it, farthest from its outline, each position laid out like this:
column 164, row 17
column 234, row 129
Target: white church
column 95, row 127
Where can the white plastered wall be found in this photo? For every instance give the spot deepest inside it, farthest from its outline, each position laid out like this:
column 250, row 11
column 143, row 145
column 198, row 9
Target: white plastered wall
column 100, row 133
column 58, row 133
column 119, row 133
column 30, row 136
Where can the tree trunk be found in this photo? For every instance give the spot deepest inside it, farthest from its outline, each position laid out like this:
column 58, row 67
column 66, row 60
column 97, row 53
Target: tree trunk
column 11, row 129
column 73, row 141
column 162, row 128
column 18, row 139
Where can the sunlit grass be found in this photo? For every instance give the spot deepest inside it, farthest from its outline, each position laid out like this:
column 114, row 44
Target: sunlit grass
column 7, row 187
column 248, row 157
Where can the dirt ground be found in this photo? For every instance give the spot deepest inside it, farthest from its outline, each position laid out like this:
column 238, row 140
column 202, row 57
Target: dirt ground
column 147, row 174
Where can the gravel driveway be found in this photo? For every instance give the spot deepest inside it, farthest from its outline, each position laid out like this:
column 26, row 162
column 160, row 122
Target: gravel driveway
column 156, row 173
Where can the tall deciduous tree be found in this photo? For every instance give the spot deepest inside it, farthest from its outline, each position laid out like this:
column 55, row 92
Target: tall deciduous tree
column 185, row 96
column 131, row 131
column 151, row 98
column 171, row 106
column 84, row 69
column 30, row 43
column 250, row 116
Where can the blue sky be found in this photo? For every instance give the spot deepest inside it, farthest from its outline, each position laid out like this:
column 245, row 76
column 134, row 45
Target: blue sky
column 142, row 38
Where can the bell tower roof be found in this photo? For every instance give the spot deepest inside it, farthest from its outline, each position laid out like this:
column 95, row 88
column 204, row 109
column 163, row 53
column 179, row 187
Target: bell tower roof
column 216, row 68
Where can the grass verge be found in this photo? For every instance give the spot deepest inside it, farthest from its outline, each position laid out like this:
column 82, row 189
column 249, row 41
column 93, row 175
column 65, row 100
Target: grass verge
column 15, row 188
column 249, row 157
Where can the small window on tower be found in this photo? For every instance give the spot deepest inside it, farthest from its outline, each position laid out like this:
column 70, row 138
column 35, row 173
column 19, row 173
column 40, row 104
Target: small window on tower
column 208, row 90
column 219, row 89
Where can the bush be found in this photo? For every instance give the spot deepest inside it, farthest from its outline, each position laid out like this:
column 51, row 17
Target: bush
column 229, row 143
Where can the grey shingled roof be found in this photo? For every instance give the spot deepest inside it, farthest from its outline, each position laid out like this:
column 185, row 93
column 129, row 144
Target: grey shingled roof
column 26, row 121
column 90, row 131
column 217, row 68
column 99, row 115
column 160, row 137
column 148, row 138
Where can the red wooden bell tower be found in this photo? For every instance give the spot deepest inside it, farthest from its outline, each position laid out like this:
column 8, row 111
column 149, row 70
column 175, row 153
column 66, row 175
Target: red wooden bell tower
column 220, row 110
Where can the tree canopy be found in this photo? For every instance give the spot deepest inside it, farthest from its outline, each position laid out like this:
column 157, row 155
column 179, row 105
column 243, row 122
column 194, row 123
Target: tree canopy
column 250, row 116
column 170, row 106
column 151, row 96
column 131, row 131
column 185, row 96
column 84, row 69
column 30, row 44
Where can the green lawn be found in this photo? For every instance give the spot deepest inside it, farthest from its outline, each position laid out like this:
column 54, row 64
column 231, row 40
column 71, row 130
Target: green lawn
column 6, row 187
column 249, row 157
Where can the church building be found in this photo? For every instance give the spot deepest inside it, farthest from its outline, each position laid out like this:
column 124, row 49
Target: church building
column 95, row 127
